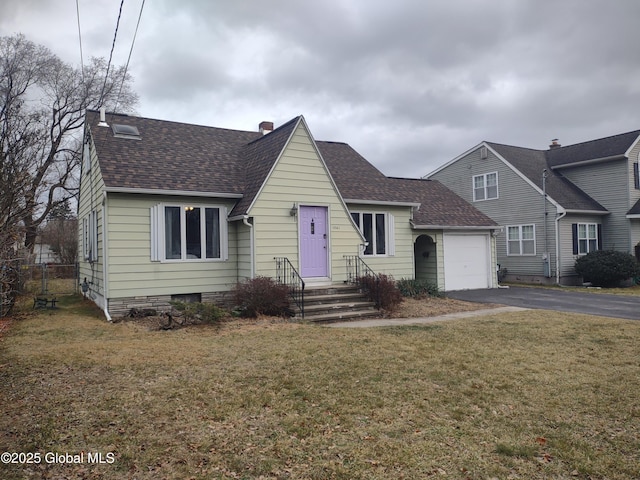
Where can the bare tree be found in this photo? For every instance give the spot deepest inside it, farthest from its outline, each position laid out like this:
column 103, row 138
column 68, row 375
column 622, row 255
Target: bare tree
column 61, row 234
column 42, row 106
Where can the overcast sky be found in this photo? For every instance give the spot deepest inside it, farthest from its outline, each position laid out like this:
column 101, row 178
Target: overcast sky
column 410, row 84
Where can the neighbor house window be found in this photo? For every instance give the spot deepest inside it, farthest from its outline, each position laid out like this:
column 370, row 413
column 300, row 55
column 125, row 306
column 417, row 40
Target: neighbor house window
column 521, row 240
column 485, row 187
column 185, row 232
column 587, row 237
column 378, row 231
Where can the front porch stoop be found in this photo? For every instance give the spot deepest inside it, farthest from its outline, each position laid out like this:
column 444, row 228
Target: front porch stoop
column 337, row 303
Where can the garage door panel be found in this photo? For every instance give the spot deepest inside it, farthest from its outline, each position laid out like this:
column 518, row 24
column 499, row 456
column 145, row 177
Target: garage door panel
column 466, row 261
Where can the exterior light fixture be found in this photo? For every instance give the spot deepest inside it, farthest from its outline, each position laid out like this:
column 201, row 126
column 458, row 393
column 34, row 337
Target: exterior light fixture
column 294, row 210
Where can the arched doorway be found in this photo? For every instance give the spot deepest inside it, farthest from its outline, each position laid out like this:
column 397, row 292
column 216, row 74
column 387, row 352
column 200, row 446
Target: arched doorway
column 425, row 255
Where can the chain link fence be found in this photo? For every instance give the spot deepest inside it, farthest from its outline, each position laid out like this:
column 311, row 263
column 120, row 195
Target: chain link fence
column 43, row 282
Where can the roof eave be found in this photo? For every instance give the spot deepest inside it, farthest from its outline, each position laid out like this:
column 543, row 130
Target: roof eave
column 456, row 227
column 181, row 193
column 590, row 161
column 382, row 202
column 588, row 212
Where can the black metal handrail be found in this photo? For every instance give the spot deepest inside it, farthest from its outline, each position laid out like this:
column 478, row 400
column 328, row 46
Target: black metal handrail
column 357, row 271
column 287, row 274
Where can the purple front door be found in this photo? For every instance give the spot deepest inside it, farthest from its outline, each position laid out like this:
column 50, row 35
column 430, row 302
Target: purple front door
column 313, row 242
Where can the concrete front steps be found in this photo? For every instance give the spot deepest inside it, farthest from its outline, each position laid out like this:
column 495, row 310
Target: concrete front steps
column 337, row 303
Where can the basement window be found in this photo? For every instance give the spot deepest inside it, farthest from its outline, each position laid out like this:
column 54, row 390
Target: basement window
column 126, row 131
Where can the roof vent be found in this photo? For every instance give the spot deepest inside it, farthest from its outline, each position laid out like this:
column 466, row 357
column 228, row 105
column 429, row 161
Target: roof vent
column 265, row 127
column 484, row 153
column 125, row 131
column 554, row 144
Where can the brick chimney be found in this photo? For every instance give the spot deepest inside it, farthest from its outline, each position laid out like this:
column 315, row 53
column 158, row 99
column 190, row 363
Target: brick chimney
column 554, row 144
column 265, row 127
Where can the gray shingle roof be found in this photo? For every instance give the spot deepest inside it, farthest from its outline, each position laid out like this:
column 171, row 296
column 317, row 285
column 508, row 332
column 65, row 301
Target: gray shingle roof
column 531, row 163
column 173, row 156
column 438, row 204
column 615, row 145
column 357, row 179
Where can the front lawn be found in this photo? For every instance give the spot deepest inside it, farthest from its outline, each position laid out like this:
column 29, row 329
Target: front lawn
column 526, row 395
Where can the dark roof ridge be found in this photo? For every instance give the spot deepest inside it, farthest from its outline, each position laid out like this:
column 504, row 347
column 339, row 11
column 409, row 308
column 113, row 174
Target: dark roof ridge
column 608, row 137
column 411, row 178
column 284, row 125
column 513, row 146
column 173, row 122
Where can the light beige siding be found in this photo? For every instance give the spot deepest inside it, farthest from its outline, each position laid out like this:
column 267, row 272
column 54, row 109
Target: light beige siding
column 131, row 271
column 299, row 177
column 244, row 235
column 431, row 270
column 90, row 199
column 401, row 264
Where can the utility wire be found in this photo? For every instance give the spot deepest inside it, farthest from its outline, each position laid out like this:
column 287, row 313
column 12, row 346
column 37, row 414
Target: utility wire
column 126, row 67
column 80, row 39
column 113, row 45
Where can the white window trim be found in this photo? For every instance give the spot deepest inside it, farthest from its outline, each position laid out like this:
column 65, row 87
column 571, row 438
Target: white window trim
column 485, row 188
column 389, row 229
column 587, row 238
column 158, row 251
column 521, row 240
column 90, row 236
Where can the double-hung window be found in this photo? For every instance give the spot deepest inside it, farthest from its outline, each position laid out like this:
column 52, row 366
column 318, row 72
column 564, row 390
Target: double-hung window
column 188, row 233
column 587, row 237
column 521, row 240
column 378, row 231
column 485, row 186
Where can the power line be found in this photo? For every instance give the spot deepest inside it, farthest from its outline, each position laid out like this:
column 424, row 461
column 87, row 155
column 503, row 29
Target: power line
column 126, row 67
column 80, row 39
column 113, row 46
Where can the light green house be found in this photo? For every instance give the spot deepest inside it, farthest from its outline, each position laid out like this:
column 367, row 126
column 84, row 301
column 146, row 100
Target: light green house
column 176, row 211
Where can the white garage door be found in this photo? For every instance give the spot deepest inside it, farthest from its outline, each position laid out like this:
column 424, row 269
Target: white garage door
column 466, row 261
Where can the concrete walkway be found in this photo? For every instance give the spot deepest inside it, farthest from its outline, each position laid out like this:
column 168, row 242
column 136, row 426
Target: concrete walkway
column 395, row 322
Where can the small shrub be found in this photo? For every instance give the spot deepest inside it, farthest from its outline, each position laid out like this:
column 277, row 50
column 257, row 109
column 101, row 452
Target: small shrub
column 607, row 268
column 382, row 290
column 417, row 288
column 261, row 296
column 200, row 312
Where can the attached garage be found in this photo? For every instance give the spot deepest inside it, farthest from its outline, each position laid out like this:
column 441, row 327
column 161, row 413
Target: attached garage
column 466, row 261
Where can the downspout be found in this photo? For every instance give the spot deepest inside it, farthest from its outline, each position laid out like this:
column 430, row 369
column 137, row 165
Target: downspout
column 562, row 214
column 547, row 263
column 245, row 220
column 105, row 263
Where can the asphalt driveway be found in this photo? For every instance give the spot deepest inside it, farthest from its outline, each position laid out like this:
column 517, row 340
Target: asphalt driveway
column 606, row 305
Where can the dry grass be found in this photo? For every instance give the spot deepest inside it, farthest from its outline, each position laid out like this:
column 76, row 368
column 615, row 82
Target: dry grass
column 433, row 306
column 522, row 395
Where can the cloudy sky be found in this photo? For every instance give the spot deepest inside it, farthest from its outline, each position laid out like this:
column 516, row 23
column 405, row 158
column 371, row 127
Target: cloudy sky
column 410, row 84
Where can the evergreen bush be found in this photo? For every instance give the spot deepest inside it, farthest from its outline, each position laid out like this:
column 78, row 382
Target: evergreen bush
column 607, row 268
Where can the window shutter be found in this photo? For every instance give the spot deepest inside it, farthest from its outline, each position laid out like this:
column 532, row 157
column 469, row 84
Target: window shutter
column 574, row 233
column 600, row 235
column 636, row 176
column 391, row 245
column 156, row 230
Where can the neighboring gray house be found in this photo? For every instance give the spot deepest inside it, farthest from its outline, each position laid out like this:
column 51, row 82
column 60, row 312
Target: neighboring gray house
column 554, row 205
